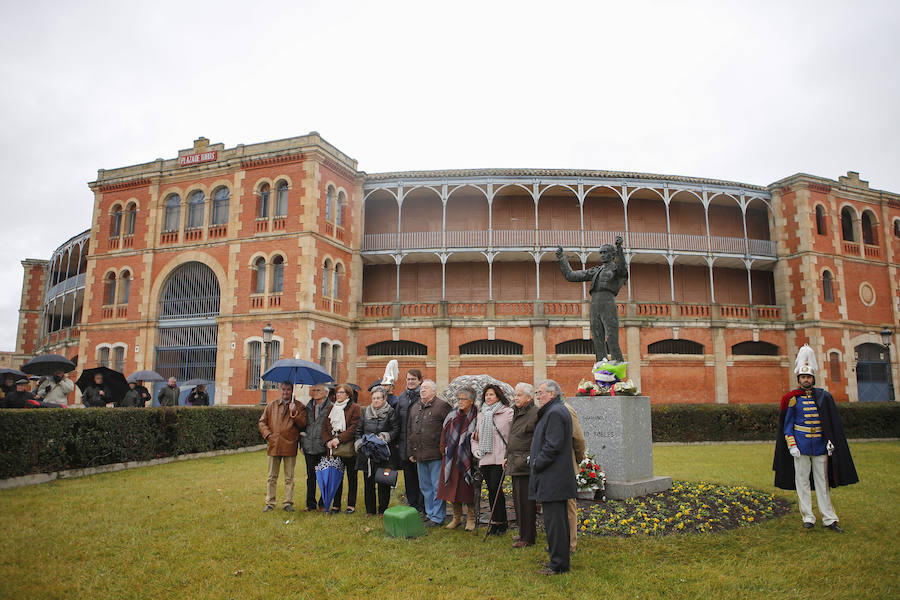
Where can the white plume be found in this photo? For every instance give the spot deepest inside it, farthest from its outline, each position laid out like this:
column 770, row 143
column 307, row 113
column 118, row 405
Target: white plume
column 391, row 372
column 806, row 358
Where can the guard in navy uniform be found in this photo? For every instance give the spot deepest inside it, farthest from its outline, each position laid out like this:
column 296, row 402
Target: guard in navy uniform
column 811, row 445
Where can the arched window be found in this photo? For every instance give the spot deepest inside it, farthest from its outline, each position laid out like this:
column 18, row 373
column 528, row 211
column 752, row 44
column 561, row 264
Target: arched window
column 337, row 352
column 847, row 224
column 828, row 286
column 115, row 221
column 281, row 198
column 675, row 347
column 339, row 216
column 491, row 347
column 103, row 357
column 329, row 203
column 173, row 213
column 897, row 228
column 820, row 219
column 124, row 287
column 220, row 206
column 110, row 296
column 396, row 348
column 130, row 219
column 326, row 277
column 338, row 274
column 254, row 362
column 834, row 367
column 277, row 274
column 868, row 229
column 324, row 352
column 575, row 347
column 262, row 207
column 118, row 356
column 195, row 210
column 259, row 275
column 750, row 348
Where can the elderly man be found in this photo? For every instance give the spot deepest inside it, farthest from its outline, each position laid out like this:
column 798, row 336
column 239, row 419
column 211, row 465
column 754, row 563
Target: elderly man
column 168, row 396
column 55, row 390
column 423, row 445
column 20, row 397
column 315, row 412
column 552, row 480
column 521, row 432
column 280, row 425
column 402, row 405
column 97, row 394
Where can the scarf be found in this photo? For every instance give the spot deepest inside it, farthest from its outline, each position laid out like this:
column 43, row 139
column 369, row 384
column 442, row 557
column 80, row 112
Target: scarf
column 486, row 430
column 458, row 430
column 336, row 416
column 377, row 413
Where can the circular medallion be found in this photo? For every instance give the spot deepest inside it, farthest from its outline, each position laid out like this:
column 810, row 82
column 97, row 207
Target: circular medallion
column 867, row 293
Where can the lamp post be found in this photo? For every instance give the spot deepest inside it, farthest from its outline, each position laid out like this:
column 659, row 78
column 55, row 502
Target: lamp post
column 886, row 335
column 267, row 332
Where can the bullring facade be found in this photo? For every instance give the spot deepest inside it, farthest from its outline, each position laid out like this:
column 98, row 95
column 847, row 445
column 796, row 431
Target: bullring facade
column 454, row 272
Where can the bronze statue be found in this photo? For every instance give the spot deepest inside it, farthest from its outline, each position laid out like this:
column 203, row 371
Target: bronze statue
column 606, row 281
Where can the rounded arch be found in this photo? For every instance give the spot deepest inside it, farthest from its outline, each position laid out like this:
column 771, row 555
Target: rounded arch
column 849, row 217
column 123, row 294
column 196, row 187
column 109, row 287
column 256, row 255
column 132, row 204
column 463, row 186
column 896, row 227
column 282, row 192
column 196, row 207
column 868, row 223
column 179, row 261
column 286, row 178
column 827, row 285
column 330, row 194
column 116, row 207
column 172, row 212
column 341, row 203
column 277, row 262
column 258, row 275
column 338, row 274
column 381, row 189
column 564, row 186
column 820, row 219
column 259, row 183
column 521, row 186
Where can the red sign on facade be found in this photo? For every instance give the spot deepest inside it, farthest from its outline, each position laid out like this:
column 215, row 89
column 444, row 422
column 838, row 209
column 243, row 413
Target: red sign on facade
column 196, row 159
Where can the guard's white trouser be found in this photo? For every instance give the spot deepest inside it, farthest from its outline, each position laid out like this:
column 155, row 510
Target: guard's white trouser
column 823, row 493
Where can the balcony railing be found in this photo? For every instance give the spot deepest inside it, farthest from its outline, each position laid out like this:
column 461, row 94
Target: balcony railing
column 544, row 238
column 72, row 283
column 649, row 311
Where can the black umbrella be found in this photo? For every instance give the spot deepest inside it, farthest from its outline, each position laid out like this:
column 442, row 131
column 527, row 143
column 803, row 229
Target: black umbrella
column 114, row 380
column 145, row 376
column 14, row 372
column 48, row 364
column 197, row 381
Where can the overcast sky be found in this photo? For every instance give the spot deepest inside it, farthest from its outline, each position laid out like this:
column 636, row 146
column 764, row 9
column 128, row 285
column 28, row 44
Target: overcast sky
column 746, row 91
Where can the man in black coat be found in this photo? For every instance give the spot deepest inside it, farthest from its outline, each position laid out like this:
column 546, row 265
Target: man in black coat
column 398, row 452
column 20, row 397
column 552, row 479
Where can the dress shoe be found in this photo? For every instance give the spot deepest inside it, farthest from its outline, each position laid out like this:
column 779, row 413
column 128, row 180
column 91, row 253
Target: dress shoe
column 834, row 527
column 430, row 523
column 521, row 544
column 549, row 571
column 268, row 508
column 289, row 508
column 808, row 525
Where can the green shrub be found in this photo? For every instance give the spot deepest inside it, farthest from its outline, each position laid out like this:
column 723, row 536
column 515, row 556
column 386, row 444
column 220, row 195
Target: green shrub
column 744, row 422
column 44, row 441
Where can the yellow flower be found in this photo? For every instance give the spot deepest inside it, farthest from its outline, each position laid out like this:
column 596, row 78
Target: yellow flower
column 681, row 526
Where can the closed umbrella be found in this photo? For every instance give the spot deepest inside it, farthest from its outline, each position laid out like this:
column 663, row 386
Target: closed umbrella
column 48, row 364
column 329, row 474
column 147, row 375
column 297, row 371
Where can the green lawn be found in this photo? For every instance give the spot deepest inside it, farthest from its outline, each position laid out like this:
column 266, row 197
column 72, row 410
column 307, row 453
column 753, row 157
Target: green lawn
column 194, row 529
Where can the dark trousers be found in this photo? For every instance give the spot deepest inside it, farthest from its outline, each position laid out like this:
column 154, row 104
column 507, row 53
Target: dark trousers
column 493, row 477
column 311, row 461
column 605, row 325
column 411, row 482
column 526, row 510
column 352, row 481
column 377, row 495
column 556, row 524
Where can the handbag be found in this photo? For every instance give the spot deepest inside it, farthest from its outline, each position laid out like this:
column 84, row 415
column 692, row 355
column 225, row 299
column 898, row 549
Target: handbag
column 386, row 476
column 345, row 450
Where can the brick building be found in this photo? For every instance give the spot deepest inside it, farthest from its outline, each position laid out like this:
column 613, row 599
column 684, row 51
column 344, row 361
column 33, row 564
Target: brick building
column 454, row 272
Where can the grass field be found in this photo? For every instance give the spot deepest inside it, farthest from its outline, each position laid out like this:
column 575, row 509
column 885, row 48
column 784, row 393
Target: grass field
column 194, row 529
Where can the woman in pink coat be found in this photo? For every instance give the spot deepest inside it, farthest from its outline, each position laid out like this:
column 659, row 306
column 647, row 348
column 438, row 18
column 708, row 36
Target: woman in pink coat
column 489, row 447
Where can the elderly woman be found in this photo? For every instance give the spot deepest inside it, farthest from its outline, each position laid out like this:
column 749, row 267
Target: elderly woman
column 489, row 447
column 455, row 485
column 381, row 420
column 339, row 434
column 521, row 431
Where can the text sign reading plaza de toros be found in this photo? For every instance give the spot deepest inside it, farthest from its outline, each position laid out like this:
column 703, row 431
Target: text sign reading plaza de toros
column 196, row 159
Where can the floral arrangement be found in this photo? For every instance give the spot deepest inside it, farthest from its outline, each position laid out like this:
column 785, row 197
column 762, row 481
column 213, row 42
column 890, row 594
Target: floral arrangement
column 619, row 388
column 591, row 477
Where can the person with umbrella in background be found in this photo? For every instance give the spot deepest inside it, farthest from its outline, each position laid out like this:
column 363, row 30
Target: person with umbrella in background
column 168, row 396
column 20, row 397
column 198, row 396
column 132, row 398
column 55, row 389
column 280, row 425
column 97, row 393
column 143, row 394
column 379, row 420
column 9, row 384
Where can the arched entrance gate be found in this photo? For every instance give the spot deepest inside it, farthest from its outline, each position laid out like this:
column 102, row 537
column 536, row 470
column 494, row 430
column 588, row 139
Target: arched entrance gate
column 188, row 334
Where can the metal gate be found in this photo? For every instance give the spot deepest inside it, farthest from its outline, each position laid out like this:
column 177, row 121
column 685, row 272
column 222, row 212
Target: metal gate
column 188, row 334
column 873, row 373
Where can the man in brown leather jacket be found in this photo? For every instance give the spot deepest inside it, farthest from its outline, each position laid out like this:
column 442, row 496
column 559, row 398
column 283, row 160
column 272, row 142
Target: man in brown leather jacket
column 280, row 425
column 423, row 444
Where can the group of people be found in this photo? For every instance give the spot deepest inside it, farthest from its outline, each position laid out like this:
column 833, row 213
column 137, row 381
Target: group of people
column 49, row 392
column 442, row 450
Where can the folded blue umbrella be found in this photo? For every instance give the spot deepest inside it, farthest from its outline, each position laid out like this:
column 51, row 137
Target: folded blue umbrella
column 297, row 371
column 329, row 474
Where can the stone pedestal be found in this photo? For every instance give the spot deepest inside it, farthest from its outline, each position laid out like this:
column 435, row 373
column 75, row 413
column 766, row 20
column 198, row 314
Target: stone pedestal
column 617, row 432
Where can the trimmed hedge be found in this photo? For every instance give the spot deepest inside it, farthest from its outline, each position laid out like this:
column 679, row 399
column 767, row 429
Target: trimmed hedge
column 744, row 422
column 44, row 441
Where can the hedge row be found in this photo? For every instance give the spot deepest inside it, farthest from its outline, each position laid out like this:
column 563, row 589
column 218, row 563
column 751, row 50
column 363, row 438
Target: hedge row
column 36, row 441
column 737, row 422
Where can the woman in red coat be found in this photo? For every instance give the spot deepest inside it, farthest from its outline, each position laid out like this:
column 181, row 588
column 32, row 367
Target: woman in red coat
column 455, row 485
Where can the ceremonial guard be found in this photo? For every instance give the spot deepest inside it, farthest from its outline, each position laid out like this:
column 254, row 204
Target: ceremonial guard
column 811, row 438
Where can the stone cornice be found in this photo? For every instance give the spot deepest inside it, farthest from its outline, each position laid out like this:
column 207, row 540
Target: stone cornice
column 124, row 185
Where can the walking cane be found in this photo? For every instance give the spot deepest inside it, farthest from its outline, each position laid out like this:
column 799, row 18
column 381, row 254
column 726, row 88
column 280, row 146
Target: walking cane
column 494, row 504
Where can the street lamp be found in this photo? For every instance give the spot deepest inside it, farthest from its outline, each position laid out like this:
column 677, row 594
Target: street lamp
column 886, row 342
column 267, row 332
column 886, row 337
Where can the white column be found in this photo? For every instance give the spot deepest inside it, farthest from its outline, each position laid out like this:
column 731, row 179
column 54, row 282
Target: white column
column 712, row 285
column 671, row 261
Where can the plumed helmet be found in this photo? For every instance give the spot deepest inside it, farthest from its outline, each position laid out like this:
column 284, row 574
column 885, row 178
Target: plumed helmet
column 806, row 362
column 391, row 373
